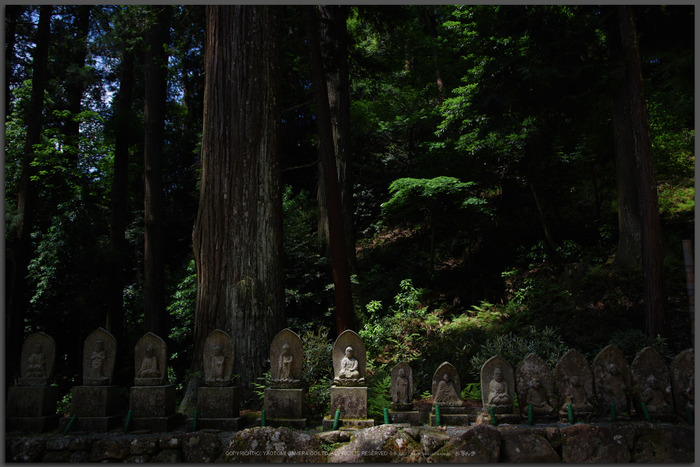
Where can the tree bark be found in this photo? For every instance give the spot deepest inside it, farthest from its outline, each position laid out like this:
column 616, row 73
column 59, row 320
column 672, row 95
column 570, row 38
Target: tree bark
column 117, row 241
column 341, row 273
column 156, row 84
column 629, row 251
column 238, row 233
column 20, row 246
column 12, row 14
column 334, row 47
column 640, row 145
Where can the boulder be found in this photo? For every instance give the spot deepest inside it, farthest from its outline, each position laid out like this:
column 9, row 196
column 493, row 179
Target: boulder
column 479, row 444
column 522, row 445
column 384, row 443
column 167, row 456
column 269, row 444
column 109, row 449
column 336, row 436
column 663, row 444
column 594, row 444
column 26, row 450
column 145, row 444
column 432, row 439
column 201, row 447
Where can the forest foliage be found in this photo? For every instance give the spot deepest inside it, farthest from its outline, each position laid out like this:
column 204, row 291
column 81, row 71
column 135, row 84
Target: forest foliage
column 482, row 153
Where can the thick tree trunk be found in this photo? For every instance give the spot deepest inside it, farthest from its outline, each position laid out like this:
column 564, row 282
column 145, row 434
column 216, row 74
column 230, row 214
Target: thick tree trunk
column 156, row 84
column 651, row 248
column 238, row 233
column 117, row 229
column 341, row 273
column 20, row 246
column 334, row 48
column 629, row 251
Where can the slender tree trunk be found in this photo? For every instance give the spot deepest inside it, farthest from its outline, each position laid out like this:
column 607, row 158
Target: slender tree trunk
column 20, row 247
column 156, row 83
column 652, row 255
column 341, row 274
column 334, row 47
column 76, row 83
column 12, row 14
column 238, row 233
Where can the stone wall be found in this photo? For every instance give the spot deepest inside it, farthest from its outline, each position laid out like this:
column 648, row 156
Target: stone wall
column 580, row 443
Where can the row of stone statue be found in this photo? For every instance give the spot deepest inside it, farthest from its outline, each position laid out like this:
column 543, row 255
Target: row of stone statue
column 574, row 385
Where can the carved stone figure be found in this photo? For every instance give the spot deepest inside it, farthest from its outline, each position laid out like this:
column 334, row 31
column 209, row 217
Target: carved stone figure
column 498, row 391
column 535, row 385
column 286, row 353
column 612, row 379
column 98, row 358
column 498, row 380
column 652, row 382
column 401, row 387
column 446, row 386
column 218, row 359
column 401, row 394
column 574, row 383
column 576, row 395
column 537, row 397
column 37, row 359
column 349, row 366
column 150, row 361
column 683, row 381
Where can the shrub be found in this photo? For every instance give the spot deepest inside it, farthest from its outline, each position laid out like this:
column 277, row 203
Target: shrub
column 546, row 343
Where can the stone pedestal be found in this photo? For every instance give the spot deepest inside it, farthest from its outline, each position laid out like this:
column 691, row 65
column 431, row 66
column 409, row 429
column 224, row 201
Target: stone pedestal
column 153, row 407
column 411, row 417
column 219, row 407
column 97, row 408
column 32, row 408
column 352, row 402
column 451, row 416
column 284, row 407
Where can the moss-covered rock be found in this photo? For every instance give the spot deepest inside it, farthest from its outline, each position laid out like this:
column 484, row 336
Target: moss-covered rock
column 268, row 444
column 479, row 444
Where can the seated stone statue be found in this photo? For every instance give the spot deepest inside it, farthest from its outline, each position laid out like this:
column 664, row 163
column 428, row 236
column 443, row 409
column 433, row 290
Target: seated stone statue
column 446, row 394
column 349, row 373
column 149, row 365
column 614, row 387
column 653, row 396
column 537, row 397
column 499, row 398
column 575, row 394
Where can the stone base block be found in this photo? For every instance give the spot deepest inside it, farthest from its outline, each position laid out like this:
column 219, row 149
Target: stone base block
column 221, row 424
column 23, row 402
column 411, row 417
column 297, row 423
column 352, row 401
column 284, row 403
column 218, row 402
column 32, row 424
column 92, row 424
column 348, row 423
column 450, row 420
column 152, row 401
column 451, row 416
column 95, row 401
column 156, row 424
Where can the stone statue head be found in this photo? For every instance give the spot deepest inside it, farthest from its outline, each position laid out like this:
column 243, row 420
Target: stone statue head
column 349, row 352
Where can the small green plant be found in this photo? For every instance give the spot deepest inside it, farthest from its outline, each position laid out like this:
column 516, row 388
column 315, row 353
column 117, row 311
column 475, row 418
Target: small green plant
column 379, row 396
column 317, row 370
column 471, row 391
